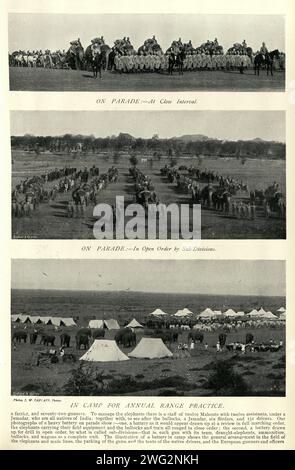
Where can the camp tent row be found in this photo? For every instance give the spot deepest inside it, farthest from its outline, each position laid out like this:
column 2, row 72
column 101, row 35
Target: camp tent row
column 110, row 324
column 108, row 351
column 209, row 313
column 56, row 321
column 180, row 313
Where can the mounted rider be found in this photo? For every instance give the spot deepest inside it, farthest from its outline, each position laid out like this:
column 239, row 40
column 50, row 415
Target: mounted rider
column 96, row 44
column 263, row 50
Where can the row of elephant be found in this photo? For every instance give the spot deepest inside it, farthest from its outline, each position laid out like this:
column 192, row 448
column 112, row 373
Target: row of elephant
column 219, row 197
column 125, row 337
column 144, row 189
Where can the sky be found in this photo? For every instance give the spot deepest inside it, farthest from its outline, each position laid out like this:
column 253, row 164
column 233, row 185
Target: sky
column 55, row 31
column 221, row 277
column 228, row 125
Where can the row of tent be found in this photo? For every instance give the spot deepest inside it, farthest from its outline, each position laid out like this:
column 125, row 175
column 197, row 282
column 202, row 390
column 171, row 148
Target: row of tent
column 103, row 350
column 110, row 324
column 36, row 320
column 113, row 324
column 208, row 313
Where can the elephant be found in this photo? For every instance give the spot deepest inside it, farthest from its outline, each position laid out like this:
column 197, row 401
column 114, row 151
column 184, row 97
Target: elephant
column 120, row 334
column 33, row 338
column 166, row 336
column 47, row 340
column 222, row 339
column 75, row 57
column 82, row 340
column 129, row 339
column 18, row 336
column 249, row 338
column 206, row 195
column 65, row 340
column 84, row 331
column 175, row 336
column 98, row 333
column 196, row 336
column 221, row 200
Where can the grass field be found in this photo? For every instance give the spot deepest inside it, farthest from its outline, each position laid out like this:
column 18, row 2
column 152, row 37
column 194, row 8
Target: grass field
column 27, row 79
column 263, row 372
column 50, row 220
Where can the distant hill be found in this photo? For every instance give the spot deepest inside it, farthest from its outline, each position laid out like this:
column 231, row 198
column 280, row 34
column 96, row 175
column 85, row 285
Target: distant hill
column 193, row 138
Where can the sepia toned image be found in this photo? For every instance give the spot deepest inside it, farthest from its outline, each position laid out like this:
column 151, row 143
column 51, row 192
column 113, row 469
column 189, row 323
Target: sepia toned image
column 181, row 328
column 228, row 164
column 151, row 52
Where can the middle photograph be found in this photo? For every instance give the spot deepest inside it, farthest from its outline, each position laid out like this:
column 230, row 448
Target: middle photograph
column 148, row 174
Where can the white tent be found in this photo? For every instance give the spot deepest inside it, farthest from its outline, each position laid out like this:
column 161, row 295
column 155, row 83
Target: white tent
column 281, row 309
column 253, row 313
column 134, row 324
column 181, row 313
column 240, row 313
column 46, row 320
column 68, row 322
column 261, row 312
column 217, row 312
column 98, row 324
column 187, row 310
column 103, row 350
column 230, row 313
column 36, row 319
column 15, row 317
column 270, row 315
column 158, row 312
column 207, row 313
column 112, row 324
column 267, row 315
column 56, row 321
column 150, row 348
column 25, row 319
column 283, row 316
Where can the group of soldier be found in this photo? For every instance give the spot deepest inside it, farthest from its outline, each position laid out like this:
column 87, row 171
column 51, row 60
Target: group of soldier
column 151, row 58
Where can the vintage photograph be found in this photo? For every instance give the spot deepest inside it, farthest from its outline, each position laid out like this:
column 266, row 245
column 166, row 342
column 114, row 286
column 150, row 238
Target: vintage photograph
column 181, row 328
column 151, row 52
column 69, row 167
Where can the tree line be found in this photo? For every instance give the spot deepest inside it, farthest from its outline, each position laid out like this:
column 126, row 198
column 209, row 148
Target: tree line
column 155, row 146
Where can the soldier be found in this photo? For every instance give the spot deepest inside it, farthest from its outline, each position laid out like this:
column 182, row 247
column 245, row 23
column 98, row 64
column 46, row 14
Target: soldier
column 118, row 62
column 157, row 62
column 263, row 50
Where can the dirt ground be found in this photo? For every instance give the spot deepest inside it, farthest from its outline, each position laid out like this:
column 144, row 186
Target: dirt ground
column 28, row 79
column 51, row 221
column 263, row 371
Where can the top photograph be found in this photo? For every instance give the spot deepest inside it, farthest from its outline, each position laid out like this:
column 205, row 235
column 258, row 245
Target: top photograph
column 150, row 52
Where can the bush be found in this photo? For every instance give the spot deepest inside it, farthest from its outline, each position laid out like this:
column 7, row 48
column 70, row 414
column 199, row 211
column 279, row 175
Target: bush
column 279, row 366
column 275, row 376
column 225, row 381
column 85, row 381
column 40, row 388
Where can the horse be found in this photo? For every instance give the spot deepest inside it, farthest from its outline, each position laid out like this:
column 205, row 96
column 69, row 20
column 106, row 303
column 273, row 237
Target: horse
column 97, row 63
column 171, row 62
column 268, row 61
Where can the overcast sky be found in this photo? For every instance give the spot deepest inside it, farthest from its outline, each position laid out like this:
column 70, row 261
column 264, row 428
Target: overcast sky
column 229, row 125
column 55, row 31
column 195, row 276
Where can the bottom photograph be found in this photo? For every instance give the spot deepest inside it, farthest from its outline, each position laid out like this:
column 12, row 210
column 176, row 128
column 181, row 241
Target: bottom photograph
column 148, row 327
